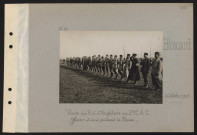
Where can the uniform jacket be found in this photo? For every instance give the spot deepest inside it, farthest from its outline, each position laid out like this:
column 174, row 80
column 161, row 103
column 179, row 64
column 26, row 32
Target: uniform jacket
column 145, row 65
column 134, row 73
column 115, row 63
column 107, row 61
column 120, row 64
column 157, row 68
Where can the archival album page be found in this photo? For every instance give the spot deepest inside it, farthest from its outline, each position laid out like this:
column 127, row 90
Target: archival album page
column 99, row 68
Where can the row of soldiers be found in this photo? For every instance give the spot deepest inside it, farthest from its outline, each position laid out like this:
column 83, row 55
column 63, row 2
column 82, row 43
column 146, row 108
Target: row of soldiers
column 128, row 68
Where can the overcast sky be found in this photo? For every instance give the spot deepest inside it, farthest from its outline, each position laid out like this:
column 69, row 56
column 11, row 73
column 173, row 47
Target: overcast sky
column 88, row 43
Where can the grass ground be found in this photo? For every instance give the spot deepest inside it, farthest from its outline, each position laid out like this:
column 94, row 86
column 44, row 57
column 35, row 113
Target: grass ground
column 77, row 86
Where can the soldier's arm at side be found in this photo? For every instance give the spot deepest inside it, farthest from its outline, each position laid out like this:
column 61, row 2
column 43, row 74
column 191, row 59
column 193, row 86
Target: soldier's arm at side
column 160, row 67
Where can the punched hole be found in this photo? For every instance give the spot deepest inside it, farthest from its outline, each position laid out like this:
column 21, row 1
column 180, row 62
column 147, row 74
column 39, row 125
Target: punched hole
column 10, row 46
column 11, row 33
column 10, row 89
column 9, row 102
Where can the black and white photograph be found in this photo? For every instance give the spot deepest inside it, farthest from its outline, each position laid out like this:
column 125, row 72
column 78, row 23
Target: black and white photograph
column 111, row 67
column 98, row 68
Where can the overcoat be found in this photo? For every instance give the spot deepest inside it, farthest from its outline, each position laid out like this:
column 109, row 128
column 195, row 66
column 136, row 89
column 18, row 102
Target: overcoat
column 134, row 73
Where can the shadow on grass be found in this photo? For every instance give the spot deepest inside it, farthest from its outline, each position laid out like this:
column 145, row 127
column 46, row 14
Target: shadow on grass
column 106, row 81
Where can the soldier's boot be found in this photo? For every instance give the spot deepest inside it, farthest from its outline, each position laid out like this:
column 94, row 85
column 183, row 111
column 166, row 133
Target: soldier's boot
column 146, row 86
column 100, row 72
column 127, row 80
column 135, row 82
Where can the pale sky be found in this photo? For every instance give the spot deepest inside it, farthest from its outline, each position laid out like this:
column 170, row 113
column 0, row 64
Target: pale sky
column 89, row 43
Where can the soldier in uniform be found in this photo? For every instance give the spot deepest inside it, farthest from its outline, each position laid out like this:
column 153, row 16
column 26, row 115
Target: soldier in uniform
column 103, row 65
column 88, row 63
column 92, row 65
column 98, row 64
column 111, row 65
column 145, row 69
column 120, row 66
column 157, row 69
column 107, row 65
column 73, row 61
column 95, row 66
column 134, row 73
column 127, row 66
column 84, row 63
column 80, row 63
column 115, row 66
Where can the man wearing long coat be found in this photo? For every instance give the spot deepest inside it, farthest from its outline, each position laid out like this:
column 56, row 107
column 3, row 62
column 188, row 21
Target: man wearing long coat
column 145, row 69
column 134, row 73
column 120, row 66
column 157, row 69
column 127, row 66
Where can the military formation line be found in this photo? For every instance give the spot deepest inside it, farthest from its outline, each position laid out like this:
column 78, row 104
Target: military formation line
column 122, row 68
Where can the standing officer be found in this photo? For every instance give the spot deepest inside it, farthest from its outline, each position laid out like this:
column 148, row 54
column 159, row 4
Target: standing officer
column 145, row 69
column 111, row 65
column 103, row 65
column 107, row 65
column 94, row 64
column 99, row 63
column 157, row 69
column 89, row 62
column 120, row 66
column 134, row 73
column 127, row 66
column 115, row 66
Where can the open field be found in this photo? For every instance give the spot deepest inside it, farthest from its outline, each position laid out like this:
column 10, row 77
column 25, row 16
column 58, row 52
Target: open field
column 77, row 86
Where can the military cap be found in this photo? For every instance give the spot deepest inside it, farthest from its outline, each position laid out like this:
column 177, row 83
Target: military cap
column 134, row 54
column 98, row 55
column 111, row 55
column 102, row 57
column 158, row 53
column 115, row 55
column 128, row 54
column 145, row 53
column 120, row 55
column 106, row 54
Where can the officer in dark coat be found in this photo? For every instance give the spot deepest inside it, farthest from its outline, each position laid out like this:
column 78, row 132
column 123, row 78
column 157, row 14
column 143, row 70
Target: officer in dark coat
column 120, row 66
column 134, row 73
column 145, row 69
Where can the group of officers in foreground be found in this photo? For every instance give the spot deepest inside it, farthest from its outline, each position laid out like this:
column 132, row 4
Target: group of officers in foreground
column 128, row 68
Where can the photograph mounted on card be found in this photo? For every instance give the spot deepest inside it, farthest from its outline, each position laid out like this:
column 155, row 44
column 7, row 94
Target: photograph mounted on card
column 111, row 67
column 124, row 67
